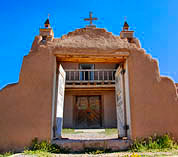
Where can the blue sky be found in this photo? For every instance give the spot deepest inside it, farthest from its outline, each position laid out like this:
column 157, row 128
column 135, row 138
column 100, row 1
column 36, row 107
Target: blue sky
column 154, row 22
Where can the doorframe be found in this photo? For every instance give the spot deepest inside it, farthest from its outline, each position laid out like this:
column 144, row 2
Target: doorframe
column 127, row 100
column 54, row 98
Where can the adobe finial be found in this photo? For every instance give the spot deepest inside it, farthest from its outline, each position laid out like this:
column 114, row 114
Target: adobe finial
column 126, row 33
column 47, row 23
column 126, row 26
column 47, row 33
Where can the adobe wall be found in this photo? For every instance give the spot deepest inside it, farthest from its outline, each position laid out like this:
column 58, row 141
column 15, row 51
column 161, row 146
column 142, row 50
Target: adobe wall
column 108, row 104
column 68, row 65
column 26, row 107
column 153, row 99
column 105, row 66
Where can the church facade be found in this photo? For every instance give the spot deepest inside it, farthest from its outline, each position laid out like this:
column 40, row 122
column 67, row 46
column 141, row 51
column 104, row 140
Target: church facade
column 88, row 78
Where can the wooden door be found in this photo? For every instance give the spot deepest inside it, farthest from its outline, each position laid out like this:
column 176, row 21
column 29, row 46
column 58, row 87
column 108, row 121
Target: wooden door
column 94, row 112
column 60, row 101
column 120, row 104
column 81, row 112
column 88, row 112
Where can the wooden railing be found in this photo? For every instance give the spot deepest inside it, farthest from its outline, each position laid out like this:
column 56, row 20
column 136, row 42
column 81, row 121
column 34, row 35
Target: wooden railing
column 90, row 75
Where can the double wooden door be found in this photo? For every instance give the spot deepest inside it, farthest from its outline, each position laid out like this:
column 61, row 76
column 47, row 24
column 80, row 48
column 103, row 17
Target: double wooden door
column 88, row 112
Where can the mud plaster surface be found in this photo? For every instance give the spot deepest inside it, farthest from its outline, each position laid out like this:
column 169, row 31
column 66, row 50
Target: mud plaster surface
column 91, row 38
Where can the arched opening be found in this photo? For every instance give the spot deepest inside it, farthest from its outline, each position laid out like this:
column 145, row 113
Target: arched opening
column 94, row 101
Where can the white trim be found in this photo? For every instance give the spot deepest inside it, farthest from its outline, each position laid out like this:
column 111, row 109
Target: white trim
column 127, row 96
column 53, row 97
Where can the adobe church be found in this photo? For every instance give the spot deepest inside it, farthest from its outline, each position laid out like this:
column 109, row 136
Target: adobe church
column 88, row 78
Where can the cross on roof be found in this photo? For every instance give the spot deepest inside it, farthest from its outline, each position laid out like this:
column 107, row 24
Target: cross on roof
column 91, row 19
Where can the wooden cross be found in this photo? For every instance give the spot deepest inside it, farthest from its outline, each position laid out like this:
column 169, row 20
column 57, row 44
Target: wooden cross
column 91, row 19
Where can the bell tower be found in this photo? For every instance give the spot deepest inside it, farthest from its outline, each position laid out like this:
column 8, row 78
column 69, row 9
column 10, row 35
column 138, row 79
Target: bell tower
column 126, row 33
column 47, row 33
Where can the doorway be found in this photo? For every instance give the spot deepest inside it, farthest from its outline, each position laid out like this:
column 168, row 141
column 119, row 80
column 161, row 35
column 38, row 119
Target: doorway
column 88, row 112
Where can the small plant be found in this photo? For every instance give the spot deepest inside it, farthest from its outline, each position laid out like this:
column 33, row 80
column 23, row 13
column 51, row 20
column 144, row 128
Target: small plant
column 44, row 146
column 93, row 151
column 6, row 154
column 153, row 143
column 96, row 151
column 37, row 153
column 133, row 155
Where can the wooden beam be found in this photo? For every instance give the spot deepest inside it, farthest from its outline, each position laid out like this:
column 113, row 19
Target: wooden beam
column 87, row 92
column 91, row 60
column 84, row 53
column 90, row 87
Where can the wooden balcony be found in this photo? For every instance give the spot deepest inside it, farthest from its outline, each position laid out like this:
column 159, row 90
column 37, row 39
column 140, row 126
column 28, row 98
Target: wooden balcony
column 90, row 78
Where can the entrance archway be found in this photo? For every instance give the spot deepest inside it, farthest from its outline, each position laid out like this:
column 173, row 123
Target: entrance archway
column 122, row 102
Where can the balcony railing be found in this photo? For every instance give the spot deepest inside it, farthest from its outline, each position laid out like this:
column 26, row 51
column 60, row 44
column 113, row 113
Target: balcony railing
column 90, row 75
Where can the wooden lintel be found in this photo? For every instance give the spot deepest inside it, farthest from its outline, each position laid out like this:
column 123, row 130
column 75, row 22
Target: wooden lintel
column 89, row 87
column 85, row 53
column 92, row 59
column 93, row 89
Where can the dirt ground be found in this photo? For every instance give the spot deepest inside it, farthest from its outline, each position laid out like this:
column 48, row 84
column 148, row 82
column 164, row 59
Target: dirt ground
column 90, row 134
column 121, row 154
column 160, row 154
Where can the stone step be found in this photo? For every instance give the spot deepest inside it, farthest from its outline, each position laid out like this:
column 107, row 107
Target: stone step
column 81, row 145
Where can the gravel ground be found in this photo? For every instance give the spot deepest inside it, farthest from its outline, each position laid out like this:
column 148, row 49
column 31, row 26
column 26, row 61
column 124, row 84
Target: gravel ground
column 121, row 154
column 159, row 154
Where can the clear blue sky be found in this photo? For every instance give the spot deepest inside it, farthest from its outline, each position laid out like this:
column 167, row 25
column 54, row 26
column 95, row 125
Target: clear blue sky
column 155, row 23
